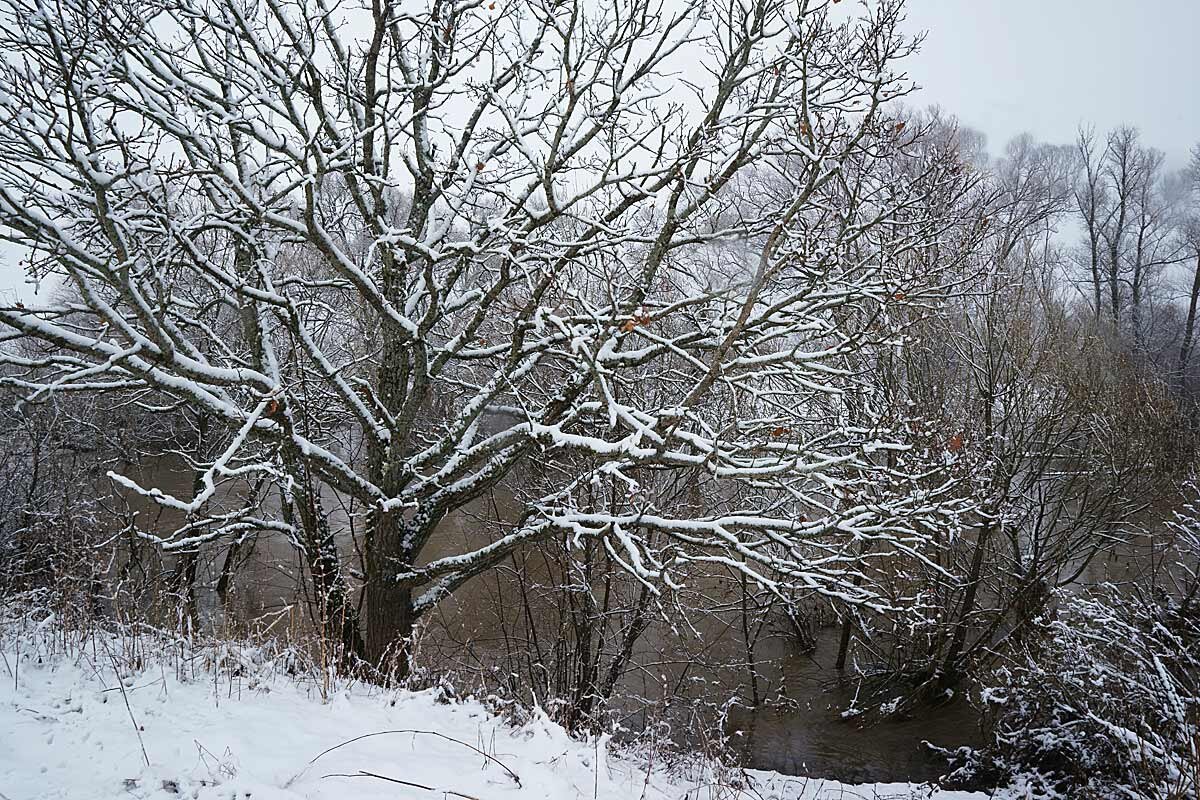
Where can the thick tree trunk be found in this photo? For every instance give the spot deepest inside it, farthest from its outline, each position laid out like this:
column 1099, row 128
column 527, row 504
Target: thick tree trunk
column 400, row 381
column 390, row 622
column 390, row 616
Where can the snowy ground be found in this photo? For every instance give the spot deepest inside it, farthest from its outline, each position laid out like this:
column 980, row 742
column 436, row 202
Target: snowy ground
column 70, row 729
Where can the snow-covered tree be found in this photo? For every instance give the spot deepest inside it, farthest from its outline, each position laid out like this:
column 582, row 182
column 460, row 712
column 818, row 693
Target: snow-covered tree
column 397, row 251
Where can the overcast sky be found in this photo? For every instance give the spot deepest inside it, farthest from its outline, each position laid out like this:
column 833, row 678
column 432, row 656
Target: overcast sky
column 1042, row 66
column 1045, row 66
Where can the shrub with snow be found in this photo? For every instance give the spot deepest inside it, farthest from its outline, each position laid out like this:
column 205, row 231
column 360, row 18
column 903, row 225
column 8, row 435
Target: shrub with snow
column 1101, row 702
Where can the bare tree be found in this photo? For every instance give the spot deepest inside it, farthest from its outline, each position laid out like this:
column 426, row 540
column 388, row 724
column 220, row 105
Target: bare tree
column 1128, row 211
column 1089, row 199
column 1189, row 232
column 457, row 239
column 1066, row 439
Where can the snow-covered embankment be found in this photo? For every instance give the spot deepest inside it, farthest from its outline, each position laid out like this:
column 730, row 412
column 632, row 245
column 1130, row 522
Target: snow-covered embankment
column 178, row 727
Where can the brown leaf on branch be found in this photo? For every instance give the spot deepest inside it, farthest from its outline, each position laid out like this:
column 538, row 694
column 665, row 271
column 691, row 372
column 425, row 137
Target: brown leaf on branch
column 635, row 321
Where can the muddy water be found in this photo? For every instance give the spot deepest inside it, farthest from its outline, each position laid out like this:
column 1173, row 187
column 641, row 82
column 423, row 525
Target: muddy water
column 798, row 726
column 798, row 729
column 810, row 736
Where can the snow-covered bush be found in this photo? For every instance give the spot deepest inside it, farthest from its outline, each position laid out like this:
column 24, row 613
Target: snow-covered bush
column 1102, row 702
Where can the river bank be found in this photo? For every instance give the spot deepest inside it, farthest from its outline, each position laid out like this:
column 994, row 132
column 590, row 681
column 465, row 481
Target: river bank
column 101, row 717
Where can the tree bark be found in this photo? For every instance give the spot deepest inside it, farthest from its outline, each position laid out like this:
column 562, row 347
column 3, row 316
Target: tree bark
column 390, row 615
column 338, row 617
column 228, row 567
column 183, row 587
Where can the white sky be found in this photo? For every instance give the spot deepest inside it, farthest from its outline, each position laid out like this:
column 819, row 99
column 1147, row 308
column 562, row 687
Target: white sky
column 1042, row 66
column 1045, row 66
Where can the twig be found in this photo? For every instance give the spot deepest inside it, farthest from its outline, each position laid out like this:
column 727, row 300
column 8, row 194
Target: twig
column 129, row 708
column 364, row 774
column 134, row 688
column 504, row 766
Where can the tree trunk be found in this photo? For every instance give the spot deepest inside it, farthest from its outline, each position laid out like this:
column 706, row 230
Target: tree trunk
column 337, row 615
column 950, row 666
column 390, row 615
column 334, row 614
column 183, row 580
column 637, row 626
column 848, row 624
column 183, row 587
column 228, row 567
column 1189, row 328
column 390, row 622
column 844, row 643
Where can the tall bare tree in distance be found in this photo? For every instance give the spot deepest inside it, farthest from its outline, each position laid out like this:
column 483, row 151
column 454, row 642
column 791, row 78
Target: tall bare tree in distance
column 1128, row 205
column 1190, row 242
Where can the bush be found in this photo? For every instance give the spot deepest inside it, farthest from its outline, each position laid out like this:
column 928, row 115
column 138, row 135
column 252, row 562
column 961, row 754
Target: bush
column 1101, row 702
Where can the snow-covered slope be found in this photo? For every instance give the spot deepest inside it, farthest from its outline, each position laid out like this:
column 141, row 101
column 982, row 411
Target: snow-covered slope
column 70, row 729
